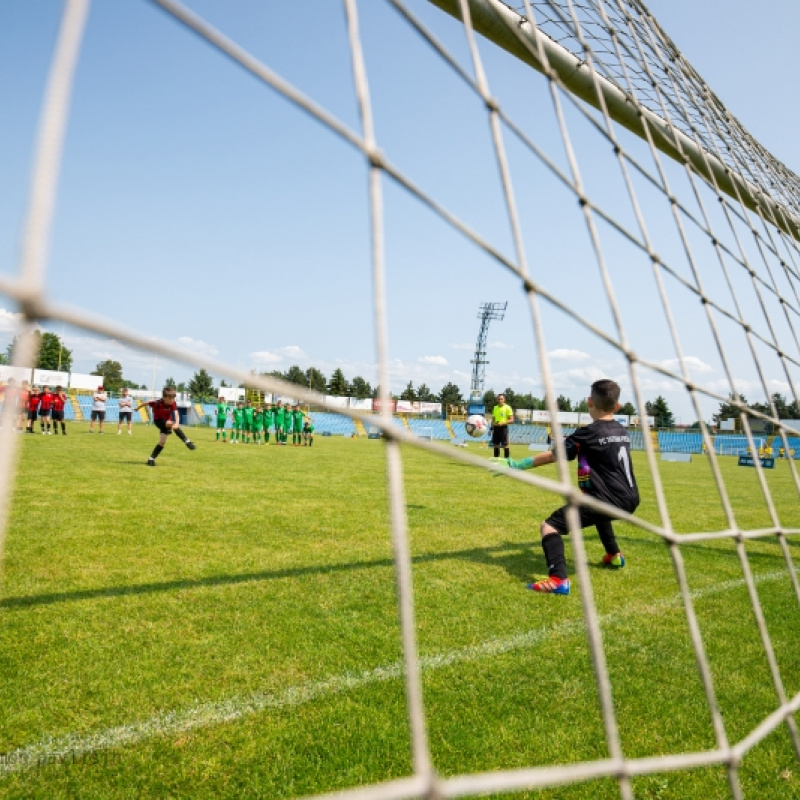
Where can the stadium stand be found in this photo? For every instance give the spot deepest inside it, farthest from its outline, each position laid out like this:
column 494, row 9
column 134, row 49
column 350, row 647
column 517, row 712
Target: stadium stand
column 527, row 434
column 637, row 440
column 670, row 442
column 434, row 427
column 333, row 424
column 733, row 445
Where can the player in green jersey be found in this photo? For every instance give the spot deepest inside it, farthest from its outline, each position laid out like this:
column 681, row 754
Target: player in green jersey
column 269, row 420
column 298, row 418
column 247, row 426
column 287, row 422
column 258, row 423
column 222, row 417
column 308, row 432
column 238, row 422
column 280, row 422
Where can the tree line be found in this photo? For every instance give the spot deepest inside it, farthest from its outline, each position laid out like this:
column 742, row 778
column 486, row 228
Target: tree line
column 53, row 355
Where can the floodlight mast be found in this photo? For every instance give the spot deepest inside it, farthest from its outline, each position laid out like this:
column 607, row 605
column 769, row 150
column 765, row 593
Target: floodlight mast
column 487, row 313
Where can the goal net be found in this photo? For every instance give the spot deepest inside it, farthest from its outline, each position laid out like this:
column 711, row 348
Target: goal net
column 566, row 151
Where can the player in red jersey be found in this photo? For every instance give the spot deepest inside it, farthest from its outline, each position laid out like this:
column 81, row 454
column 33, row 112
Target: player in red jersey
column 59, row 401
column 33, row 407
column 167, row 420
column 45, row 409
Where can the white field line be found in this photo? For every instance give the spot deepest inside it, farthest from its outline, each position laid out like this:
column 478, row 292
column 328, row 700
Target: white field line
column 74, row 747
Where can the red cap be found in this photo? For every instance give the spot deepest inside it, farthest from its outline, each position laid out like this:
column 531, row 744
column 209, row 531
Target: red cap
column 99, row 388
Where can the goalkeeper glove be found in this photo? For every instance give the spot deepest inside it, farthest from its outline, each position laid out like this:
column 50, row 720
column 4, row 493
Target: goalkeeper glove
column 510, row 463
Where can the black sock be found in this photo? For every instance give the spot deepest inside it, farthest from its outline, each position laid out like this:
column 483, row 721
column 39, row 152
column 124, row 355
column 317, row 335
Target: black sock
column 497, row 452
column 605, row 531
column 507, row 452
column 180, row 434
column 553, row 546
column 156, row 450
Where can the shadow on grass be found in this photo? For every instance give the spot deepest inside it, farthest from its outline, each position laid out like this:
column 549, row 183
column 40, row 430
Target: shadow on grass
column 519, row 560
column 514, row 558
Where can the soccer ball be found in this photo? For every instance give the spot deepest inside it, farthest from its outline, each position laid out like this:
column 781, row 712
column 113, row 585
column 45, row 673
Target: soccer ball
column 476, row 426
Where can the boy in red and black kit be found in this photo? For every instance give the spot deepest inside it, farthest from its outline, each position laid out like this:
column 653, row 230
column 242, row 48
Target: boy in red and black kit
column 59, row 401
column 167, row 420
column 33, row 407
column 45, row 408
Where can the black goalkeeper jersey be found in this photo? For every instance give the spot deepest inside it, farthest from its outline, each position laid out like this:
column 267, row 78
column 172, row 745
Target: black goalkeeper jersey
column 605, row 470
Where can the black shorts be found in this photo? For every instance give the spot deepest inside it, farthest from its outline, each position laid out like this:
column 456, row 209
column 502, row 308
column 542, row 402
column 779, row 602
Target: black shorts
column 125, row 416
column 500, row 436
column 98, row 415
column 44, row 412
column 32, row 415
column 161, row 424
column 587, row 516
column 58, row 416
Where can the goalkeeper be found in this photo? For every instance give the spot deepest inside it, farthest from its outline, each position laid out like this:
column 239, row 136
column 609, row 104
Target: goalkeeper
column 605, row 471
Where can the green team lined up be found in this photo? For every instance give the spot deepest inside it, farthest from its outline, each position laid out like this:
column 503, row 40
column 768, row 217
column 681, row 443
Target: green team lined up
column 253, row 423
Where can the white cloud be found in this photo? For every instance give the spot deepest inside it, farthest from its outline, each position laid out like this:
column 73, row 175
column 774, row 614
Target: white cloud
column 565, row 354
column 462, row 346
column 197, row 346
column 9, row 321
column 501, row 345
column 264, row 357
column 440, row 361
column 293, row 351
column 695, row 365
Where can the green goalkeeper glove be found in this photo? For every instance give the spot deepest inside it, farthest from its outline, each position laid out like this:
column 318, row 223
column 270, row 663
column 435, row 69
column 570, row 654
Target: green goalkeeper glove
column 510, row 463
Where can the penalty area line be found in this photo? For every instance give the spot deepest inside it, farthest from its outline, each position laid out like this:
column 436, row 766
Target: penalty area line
column 73, row 747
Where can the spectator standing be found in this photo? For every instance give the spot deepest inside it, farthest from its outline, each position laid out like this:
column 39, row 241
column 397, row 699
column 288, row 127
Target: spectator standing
column 98, row 409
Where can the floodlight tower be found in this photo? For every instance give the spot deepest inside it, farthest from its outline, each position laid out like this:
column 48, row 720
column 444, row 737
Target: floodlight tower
column 487, row 313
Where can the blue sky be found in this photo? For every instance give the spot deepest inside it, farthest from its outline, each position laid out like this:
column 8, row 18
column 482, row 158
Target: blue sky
column 198, row 206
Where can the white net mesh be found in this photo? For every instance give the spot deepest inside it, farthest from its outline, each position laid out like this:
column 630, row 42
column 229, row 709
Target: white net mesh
column 691, row 212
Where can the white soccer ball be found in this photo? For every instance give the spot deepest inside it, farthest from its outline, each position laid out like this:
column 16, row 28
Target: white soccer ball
column 476, row 426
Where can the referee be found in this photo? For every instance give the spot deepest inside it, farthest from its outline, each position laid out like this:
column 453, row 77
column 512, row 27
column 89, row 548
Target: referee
column 502, row 417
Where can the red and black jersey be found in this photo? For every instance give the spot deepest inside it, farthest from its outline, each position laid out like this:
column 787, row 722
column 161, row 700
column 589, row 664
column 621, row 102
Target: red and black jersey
column 163, row 411
column 33, row 401
column 58, row 402
column 46, row 400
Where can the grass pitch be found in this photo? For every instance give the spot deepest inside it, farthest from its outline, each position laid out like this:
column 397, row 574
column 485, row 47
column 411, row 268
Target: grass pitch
column 225, row 625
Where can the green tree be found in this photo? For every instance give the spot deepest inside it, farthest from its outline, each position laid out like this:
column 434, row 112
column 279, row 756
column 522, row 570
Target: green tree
column 563, row 403
column 409, row 393
column 337, row 385
column 52, row 353
column 360, row 388
column 201, row 386
column 424, row 394
column 728, row 410
column 659, row 409
column 169, row 383
column 112, row 375
column 627, row 408
column 489, row 400
column 582, row 405
column 450, row 395
column 316, row 380
column 296, row 375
